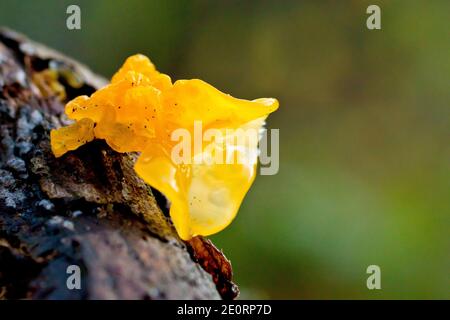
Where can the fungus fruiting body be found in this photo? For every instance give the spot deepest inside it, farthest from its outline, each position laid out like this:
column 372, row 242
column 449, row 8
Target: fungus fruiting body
column 141, row 111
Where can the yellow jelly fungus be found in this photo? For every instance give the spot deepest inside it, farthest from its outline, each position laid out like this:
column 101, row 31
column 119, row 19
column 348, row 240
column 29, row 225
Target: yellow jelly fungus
column 140, row 110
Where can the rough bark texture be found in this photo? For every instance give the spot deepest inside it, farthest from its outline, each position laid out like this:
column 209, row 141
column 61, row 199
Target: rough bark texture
column 87, row 208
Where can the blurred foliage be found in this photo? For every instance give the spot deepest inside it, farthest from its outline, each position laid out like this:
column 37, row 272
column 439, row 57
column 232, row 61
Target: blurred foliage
column 364, row 124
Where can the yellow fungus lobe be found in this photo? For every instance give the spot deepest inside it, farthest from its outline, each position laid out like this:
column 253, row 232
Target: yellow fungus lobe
column 198, row 146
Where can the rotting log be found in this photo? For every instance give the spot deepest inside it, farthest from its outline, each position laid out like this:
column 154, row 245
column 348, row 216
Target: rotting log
column 87, row 208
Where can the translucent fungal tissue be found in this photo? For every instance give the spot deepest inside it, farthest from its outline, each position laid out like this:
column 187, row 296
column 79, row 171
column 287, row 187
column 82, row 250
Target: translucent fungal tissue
column 142, row 111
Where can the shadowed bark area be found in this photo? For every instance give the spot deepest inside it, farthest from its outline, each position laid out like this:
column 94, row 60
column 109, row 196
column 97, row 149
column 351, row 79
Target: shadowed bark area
column 87, row 208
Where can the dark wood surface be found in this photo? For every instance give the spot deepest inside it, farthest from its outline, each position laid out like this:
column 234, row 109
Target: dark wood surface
column 87, row 208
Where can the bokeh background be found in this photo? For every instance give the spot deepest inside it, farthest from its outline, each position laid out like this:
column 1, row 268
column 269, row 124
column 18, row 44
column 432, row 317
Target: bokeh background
column 364, row 124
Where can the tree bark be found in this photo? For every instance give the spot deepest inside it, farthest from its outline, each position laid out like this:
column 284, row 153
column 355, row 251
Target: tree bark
column 87, row 208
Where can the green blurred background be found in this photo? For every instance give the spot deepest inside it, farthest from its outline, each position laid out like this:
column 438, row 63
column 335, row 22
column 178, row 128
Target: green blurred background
column 364, row 124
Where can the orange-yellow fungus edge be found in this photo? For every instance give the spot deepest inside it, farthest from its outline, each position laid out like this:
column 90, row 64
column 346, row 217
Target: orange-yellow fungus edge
column 140, row 110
